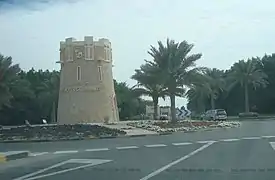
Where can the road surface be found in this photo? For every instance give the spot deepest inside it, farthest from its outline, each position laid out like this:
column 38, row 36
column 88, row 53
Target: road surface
column 239, row 153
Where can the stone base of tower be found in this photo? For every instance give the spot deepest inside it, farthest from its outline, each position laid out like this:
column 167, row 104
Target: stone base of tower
column 87, row 107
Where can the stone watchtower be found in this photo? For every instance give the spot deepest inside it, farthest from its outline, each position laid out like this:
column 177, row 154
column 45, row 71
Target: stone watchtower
column 86, row 92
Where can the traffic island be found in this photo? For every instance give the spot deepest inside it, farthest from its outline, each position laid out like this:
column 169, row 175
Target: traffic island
column 168, row 127
column 13, row 155
column 44, row 133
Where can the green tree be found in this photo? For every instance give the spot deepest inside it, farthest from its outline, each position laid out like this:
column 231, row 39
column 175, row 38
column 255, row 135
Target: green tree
column 8, row 74
column 128, row 103
column 266, row 101
column 45, row 85
column 198, row 93
column 149, row 84
column 216, row 83
column 176, row 66
column 247, row 73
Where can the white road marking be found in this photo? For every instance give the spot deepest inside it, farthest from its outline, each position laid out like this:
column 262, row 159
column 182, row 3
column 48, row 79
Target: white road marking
column 203, row 142
column 154, row 173
column 229, row 140
column 251, row 138
column 98, row 149
column 38, row 153
column 127, row 147
column 268, row 136
column 182, row 144
column 64, row 152
column 155, row 145
column 87, row 162
column 272, row 145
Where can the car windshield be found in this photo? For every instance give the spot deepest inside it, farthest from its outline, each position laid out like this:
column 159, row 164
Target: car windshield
column 221, row 112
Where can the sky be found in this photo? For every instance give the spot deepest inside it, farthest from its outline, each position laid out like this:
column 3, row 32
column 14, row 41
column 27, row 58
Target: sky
column 223, row 31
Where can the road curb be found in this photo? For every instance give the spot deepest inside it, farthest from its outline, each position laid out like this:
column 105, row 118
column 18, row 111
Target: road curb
column 12, row 155
column 40, row 140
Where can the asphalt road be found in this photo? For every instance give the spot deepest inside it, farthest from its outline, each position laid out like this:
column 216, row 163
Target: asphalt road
column 239, row 153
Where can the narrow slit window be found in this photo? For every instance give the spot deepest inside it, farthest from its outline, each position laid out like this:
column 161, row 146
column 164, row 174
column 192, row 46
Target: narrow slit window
column 78, row 73
column 100, row 73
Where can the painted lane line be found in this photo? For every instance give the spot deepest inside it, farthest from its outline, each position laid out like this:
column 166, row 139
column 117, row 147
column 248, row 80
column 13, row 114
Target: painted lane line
column 98, row 149
column 272, row 145
column 127, row 147
column 204, row 142
column 155, row 145
column 40, row 171
column 87, row 162
column 154, row 173
column 38, row 154
column 246, row 138
column 64, row 152
column 182, row 144
column 268, row 136
column 229, row 140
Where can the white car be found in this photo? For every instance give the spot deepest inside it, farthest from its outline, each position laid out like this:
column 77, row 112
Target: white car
column 216, row 114
column 163, row 117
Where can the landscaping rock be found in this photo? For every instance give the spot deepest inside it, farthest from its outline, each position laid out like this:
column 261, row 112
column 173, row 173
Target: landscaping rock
column 185, row 126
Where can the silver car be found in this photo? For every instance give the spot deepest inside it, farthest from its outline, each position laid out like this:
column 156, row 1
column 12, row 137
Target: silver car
column 216, row 114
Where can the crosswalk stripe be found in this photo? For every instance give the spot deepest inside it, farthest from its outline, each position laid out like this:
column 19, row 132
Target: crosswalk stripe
column 64, row 152
column 98, row 149
column 203, row 142
column 251, row 138
column 127, row 147
column 268, row 136
column 155, row 145
column 229, row 140
column 182, row 144
column 38, row 153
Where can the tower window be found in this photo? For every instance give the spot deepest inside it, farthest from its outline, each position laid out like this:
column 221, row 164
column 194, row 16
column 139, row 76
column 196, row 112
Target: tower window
column 78, row 73
column 100, row 72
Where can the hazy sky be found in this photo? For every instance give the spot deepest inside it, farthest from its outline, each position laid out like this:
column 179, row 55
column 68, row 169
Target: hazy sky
column 224, row 31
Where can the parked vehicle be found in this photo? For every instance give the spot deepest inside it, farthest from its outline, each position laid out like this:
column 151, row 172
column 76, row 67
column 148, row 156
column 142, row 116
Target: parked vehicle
column 163, row 117
column 216, row 115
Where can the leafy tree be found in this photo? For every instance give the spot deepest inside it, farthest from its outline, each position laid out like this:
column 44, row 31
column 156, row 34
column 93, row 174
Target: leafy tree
column 128, row 103
column 176, row 66
column 247, row 73
column 8, row 74
column 149, row 84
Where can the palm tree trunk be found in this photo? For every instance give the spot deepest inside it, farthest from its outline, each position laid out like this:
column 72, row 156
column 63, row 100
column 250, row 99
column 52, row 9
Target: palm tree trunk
column 173, row 108
column 246, row 98
column 53, row 114
column 212, row 102
column 155, row 102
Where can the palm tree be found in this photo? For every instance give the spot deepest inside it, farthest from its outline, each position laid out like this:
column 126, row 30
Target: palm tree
column 149, row 84
column 8, row 73
column 177, row 67
column 247, row 73
column 199, row 91
column 215, row 80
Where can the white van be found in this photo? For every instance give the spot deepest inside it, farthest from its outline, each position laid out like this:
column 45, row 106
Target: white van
column 216, row 114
